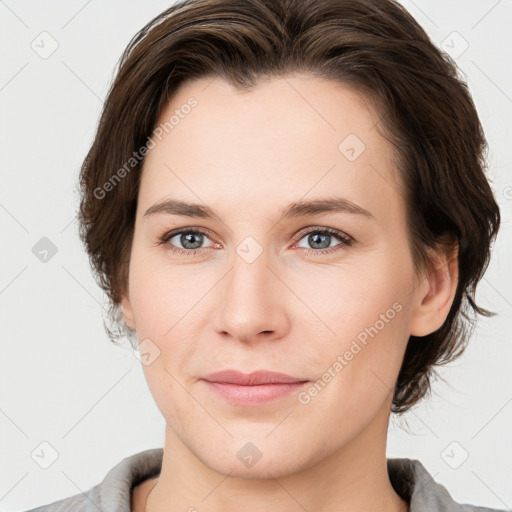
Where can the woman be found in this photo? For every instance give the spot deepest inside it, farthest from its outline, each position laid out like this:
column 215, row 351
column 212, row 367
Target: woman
column 286, row 204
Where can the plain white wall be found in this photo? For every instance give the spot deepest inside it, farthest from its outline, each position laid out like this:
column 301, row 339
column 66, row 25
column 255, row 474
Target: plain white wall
column 64, row 383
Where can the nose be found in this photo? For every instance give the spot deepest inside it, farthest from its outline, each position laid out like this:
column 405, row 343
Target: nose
column 251, row 305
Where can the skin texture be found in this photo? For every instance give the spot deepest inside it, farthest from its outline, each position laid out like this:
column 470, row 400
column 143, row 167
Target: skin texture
column 247, row 156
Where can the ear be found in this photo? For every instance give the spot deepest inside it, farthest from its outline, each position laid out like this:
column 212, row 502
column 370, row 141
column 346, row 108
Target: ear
column 128, row 312
column 434, row 295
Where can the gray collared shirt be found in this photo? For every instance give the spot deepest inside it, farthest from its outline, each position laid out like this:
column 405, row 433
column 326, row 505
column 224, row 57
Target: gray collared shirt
column 409, row 478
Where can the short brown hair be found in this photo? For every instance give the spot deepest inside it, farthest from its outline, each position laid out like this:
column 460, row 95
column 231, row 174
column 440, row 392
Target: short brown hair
column 375, row 46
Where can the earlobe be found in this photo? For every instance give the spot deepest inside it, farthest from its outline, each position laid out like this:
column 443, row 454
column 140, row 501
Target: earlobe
column 128, row 313
column 434, row 296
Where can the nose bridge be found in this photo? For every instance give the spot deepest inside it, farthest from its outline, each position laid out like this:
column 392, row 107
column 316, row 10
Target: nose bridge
column 250, row 303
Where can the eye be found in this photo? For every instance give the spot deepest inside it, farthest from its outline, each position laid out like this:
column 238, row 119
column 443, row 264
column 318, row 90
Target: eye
column 321, row 240
column 190, row 241
column 185, row 241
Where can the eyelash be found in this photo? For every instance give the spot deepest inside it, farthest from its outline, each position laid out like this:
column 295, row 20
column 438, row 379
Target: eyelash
column 346, row 241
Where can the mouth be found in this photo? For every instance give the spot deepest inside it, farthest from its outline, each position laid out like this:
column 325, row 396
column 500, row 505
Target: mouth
column 253, row 389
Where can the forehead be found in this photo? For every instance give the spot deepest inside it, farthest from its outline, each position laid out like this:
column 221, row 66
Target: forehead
column 297, row 135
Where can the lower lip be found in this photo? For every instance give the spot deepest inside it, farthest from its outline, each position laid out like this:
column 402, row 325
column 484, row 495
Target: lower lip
column 254, row 395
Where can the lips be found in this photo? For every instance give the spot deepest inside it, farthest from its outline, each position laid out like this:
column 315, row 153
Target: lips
column 253, row 389
column 257, row 378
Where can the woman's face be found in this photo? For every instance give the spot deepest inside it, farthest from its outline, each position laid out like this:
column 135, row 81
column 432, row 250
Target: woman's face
column 327, row 294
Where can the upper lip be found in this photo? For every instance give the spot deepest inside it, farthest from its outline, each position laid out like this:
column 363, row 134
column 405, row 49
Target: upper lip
column 251, row 379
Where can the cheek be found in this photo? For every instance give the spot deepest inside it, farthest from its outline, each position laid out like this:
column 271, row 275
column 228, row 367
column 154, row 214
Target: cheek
column 358, row 370
column 348, row 299
column 160, row 306
column 364, row 315
column 171, row 398
column 162, row 295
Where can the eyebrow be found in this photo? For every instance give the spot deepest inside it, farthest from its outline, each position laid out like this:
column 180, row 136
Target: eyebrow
column 293, row 210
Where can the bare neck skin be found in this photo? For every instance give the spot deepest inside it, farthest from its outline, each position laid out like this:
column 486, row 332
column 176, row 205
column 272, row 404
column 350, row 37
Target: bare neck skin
column 353, row 479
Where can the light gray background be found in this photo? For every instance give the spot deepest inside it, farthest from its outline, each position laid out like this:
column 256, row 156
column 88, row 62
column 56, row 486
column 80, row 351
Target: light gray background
column 64, row 383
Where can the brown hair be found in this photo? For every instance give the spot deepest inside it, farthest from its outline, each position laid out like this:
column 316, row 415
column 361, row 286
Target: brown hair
column 377, row 47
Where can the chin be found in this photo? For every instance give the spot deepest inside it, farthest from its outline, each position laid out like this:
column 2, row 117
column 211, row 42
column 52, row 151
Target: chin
column 257, row 456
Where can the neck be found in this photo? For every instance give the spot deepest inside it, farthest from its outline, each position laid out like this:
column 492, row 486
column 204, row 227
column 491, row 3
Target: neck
column 354, row 477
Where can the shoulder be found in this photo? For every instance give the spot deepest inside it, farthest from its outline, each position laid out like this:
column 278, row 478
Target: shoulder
column 413, row 482
column 114, row 492
column 76, row 503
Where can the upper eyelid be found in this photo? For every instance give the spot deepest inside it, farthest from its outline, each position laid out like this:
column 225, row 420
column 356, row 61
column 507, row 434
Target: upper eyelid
column 331, row 231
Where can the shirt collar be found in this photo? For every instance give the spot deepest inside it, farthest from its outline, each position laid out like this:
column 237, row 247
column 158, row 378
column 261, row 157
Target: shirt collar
column 413, row 482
